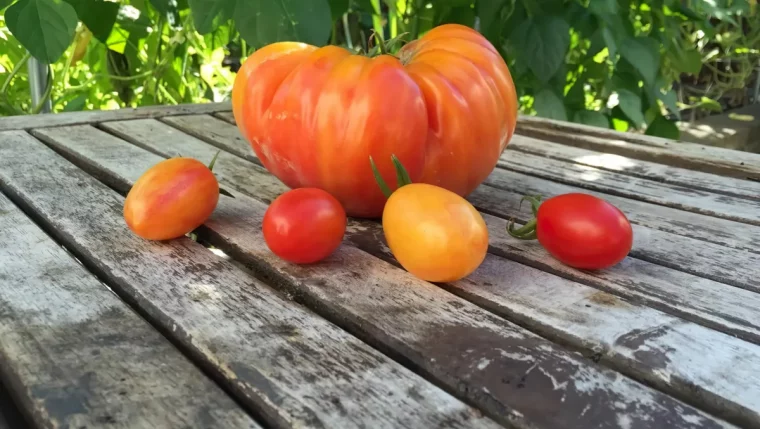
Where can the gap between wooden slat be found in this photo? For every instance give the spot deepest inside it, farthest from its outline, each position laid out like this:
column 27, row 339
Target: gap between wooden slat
column 242, row 208
column 284, row 388
column 10, row 416
column 366, row 234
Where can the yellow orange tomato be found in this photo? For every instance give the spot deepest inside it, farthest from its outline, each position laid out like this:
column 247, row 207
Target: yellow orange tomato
column 434, row 233
column 171, row 199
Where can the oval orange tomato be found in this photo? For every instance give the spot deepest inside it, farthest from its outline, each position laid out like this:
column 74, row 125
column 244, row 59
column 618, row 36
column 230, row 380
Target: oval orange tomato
column 446, row 107
column 434, row 233
column 171, row 199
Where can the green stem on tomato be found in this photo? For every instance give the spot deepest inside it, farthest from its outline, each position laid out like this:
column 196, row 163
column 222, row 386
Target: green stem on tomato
column 402, row 176
column 381, row 44
column 527, row 231
column 213, row 160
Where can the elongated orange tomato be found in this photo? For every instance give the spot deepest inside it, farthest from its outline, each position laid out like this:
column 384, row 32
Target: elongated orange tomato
column 445, row 106
column 434, row 233
column 171, row 199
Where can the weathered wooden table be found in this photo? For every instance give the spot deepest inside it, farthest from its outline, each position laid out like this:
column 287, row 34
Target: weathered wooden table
column 99, row 328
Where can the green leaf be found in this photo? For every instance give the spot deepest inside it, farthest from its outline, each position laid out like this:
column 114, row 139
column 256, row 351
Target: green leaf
column 5, row 3
column 76, row 104
column 630, row 104
column 338, row 8
column 164, row 6
column 609, row 40
column 489, row 13
column 542, row 43
column 208, row 14
column 687, row 61
column 262, row 22
column 549, row 105
column 644, row 54
column 99, row 16
column 134, row 21
column 603, row 7
column 591, row 117
column 670, row 100
column 662, row 127
column 44, row 27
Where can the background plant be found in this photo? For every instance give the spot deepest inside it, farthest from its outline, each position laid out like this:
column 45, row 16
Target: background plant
column 625, row 64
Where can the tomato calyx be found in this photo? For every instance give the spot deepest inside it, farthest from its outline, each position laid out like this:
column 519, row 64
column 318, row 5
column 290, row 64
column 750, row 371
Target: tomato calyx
column 402, row 176
column 385, row 47
column 527, row 231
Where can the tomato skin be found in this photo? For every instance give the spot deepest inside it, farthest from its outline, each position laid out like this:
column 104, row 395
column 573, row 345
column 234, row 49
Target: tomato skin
column 583, row 231
column 304, row 225
column 171, row 199
column 447, row 108
column 434, row 233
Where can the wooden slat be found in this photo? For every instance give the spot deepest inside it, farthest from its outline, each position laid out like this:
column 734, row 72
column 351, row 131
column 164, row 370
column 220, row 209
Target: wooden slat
column 76, row 356
column 25, row 122
column 214, row 131
column 710, row 159
column 291, row 366
column 636, row 168
column 590, row 178
column 590, row 320
column 712, row 230
column 418, row 322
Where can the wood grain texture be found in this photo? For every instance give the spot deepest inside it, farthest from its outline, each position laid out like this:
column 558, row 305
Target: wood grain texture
column 596, row 179
column 25, row 122
column 76, row 356
column 587, row 318
column 705, row 228
column 636, row 168
column 422, row 324
column 292, row 367
column 214, row 131
column 686, row 253
column 694, row 156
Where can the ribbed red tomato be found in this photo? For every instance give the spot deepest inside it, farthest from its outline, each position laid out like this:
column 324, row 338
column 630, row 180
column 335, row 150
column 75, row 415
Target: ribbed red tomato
column 445, row 106
column 580, row 230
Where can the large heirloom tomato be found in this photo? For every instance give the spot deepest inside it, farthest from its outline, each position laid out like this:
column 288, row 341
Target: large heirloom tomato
column 445, row 106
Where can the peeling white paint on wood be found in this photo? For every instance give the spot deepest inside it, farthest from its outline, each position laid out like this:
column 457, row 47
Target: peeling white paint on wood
column 280, row 359
column 634, row 167
column 78, row 356
column 158, row 137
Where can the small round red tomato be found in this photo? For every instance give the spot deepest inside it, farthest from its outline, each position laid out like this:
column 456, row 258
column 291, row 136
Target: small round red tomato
column 304, row 225
column 171, row 199
column 580, row 230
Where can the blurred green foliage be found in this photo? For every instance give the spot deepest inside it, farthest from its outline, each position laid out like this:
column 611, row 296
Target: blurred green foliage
column 623, row 64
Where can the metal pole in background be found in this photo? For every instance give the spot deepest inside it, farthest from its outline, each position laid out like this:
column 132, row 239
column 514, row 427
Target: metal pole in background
column 38, row 79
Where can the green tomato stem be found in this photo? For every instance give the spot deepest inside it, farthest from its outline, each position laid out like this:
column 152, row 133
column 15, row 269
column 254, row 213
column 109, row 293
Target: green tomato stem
column 379, row 179
column 213, row 160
